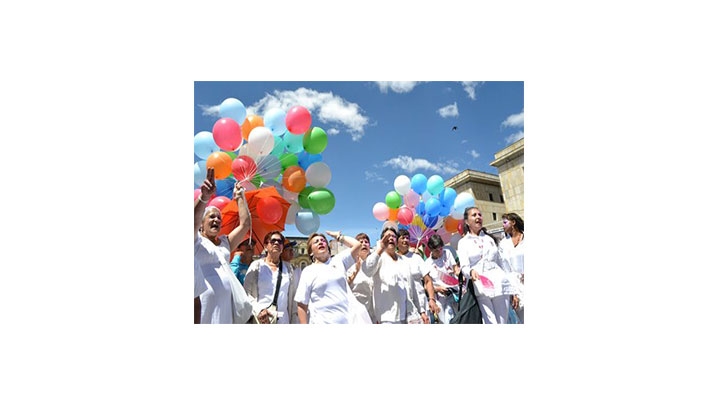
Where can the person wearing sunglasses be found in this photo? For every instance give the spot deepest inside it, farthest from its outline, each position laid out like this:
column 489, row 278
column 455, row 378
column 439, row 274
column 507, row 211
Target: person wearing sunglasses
column 270, row 285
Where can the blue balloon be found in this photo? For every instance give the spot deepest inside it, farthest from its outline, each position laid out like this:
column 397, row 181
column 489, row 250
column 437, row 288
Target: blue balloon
column 274, row 120
column 462, row 201
column 224, row 187
column 233, row 108
column 418, row 183
column 200, row 172
column 293, row 143
column 447, row 197
column 305, row 159
column 435, row 184
column 205, row 144
column 278, row 146
column 445, row 211
column 429, row 220
column 420, row 208
column 433, row 206
column 307, row 221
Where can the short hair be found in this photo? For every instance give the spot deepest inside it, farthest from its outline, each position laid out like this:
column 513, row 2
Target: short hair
column 270, row 234
column 389, row 228
column 362, row 235
column 309, row 242
column 435, row 241
column 403, row 232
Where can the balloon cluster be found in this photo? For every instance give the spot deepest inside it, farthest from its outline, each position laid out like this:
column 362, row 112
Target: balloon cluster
column 279, row 149
column 423, row 206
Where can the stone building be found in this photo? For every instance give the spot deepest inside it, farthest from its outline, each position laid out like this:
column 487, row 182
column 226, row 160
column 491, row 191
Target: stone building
column 510, row 164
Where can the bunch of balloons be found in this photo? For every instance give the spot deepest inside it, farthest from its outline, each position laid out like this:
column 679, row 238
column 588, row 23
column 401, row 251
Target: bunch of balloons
column 423, row 206
column 279, row 149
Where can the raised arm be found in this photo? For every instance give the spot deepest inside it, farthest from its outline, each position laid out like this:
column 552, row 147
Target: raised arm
column 207, row 189
column 348, row 241
column 238, row 234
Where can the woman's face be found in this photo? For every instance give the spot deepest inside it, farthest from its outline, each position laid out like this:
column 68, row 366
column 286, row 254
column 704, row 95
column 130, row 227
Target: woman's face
column 212, row 221
column 274, row 245
column 319, row 248
column 474, row 220
column 403, row 244
column 507, row 224
column 364, row 247
column 437, row 252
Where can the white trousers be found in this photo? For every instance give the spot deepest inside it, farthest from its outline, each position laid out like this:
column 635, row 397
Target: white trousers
column 494, row 310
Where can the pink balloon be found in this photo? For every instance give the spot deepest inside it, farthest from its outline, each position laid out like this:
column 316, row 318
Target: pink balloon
column 220, row 201
column 226, row 134
column 411, row 199
column 297, row 120
column 405, row 215
column 244, row 167
column 381, row 211
column 197, row 193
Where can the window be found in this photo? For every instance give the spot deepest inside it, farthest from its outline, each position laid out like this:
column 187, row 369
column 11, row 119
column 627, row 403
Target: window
column 494, row 216
column 502, row 199
column 491, row 199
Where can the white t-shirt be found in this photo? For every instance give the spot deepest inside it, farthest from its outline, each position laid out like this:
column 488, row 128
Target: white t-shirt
column 480, row 253
column 213, row 260
column 260, row 283
column 394, row 295
column 417, row 272
column 323, row 288
column 441, row 269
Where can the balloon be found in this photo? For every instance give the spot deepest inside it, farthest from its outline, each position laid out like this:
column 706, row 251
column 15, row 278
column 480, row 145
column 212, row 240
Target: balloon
column 393, row 199
column 435, row 184
column 292, row 211
column 305, row 159
column 197, row 193
column 233, row 108
column 293, row 143
column 226, row 134
column 274, row 119
column 418, row 183
column 250, row 123
column 260, row 142
column 429, row 220
column 420, row 208
column 412, row 199
column 321, row 201
column 221, row 162
column 287, row 160
column 389, row 224
column 269, row 210
column 402, row 184
column 405, row 215
column 278, row 145
column 294, row 179
column 243, row 167
column 433, row 206
column 292, row 196
column 318, row 174
column 303, row 196
column 307, row 221
column 205, row 144
column 268, row 166
column 200, row 172
column 462, row 201
column 220, row 201
column 298, row 120
column 447, row 197
column 380, row 211
column 225, row 187
column 315, row 141
column 392, row 214
column 451, row 224
column 454, row 239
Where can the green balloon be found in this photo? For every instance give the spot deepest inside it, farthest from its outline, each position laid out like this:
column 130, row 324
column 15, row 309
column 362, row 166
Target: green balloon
column 315, row 141
column 322, row 201
column 257, row 180
column 393, row 199
column 303, row 196
column 287, row 160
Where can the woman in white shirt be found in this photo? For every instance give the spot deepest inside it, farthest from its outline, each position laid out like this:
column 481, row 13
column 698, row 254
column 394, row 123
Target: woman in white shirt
column 443, row 271
column 512, row 254
column 480, row 262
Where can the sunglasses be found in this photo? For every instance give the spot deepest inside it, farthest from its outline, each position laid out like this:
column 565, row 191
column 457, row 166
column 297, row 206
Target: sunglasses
column 273, row 241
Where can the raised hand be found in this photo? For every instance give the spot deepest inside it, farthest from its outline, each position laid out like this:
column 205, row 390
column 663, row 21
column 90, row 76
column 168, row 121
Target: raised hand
column 207, row 189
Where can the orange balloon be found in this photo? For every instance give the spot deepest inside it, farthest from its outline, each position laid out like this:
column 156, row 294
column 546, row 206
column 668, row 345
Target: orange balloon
column 393, row 214
column 451, row 224
column 294, row 179
column 250, row 123
column 221, row 162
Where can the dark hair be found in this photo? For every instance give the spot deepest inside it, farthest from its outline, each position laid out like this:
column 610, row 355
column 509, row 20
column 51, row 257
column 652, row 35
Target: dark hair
column 270, row 234
column 519, row 223
column 403, row 232
column 309, row 245
column 435, row 241
column 466, row 228
column 362, row 235
column 389, row 228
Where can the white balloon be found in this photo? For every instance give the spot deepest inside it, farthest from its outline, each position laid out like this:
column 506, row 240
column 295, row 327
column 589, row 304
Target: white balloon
column 260, row 142
column 402, row 184
column 318, row 174
column 292, row 211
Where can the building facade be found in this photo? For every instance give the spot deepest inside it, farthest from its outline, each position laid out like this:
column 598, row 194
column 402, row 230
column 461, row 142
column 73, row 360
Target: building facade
column 510, row 164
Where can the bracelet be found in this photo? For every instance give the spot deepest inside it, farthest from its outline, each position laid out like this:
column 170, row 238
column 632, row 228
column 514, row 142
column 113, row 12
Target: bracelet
column 201, row 200
column 340, row 236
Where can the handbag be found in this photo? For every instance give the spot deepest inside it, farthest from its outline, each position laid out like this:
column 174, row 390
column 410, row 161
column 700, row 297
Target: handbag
column 272, row 308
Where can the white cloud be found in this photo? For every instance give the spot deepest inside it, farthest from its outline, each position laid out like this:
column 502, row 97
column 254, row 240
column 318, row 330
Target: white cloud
column 474, row 154
column 515, row 120
column 325, row 108
column 374, row 177
column 469, row 88
column 397, row 87
column 464, row 141
column 410, row 164
column 210, row 110
column 515, row 137
column 449, row 111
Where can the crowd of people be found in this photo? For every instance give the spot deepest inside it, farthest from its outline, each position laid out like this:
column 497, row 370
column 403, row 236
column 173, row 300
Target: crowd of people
column 392, row 282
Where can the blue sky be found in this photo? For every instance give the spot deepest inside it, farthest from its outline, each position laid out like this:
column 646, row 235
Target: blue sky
column 380, row 130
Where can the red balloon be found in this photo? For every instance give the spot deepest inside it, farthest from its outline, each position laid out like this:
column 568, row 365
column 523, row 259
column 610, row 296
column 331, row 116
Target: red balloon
column 220, row 201
column 226, row 134
column 244, row 168
column 269, row 210
column 298, row 120
column 405, row 215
